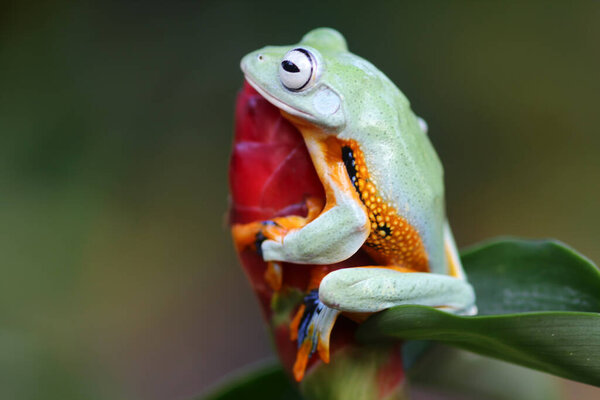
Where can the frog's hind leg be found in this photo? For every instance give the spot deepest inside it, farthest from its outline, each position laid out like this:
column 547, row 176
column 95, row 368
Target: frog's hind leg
column 373, row 289
column 362, row 290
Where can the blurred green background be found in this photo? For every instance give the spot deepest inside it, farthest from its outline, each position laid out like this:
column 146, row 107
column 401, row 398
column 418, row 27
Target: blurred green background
column 119, row 280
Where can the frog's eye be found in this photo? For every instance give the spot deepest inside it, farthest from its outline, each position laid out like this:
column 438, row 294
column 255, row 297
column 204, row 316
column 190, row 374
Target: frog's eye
column 297, row 69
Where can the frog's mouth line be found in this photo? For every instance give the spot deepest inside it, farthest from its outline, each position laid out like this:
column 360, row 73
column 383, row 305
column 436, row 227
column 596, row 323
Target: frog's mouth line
column 276, row 102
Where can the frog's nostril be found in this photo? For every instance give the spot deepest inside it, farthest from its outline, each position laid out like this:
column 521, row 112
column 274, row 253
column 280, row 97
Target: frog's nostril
column 259, row 57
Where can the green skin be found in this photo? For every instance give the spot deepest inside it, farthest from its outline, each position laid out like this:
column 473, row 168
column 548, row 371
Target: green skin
column 348, row 97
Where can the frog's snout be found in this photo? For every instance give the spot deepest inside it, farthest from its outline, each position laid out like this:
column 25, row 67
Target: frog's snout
column 252, row 64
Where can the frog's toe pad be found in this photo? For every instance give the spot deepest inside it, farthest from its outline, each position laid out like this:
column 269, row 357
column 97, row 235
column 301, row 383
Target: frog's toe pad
column 313, row 332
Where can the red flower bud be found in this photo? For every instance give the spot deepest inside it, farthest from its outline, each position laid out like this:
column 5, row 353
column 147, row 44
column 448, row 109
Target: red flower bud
column 272, row 175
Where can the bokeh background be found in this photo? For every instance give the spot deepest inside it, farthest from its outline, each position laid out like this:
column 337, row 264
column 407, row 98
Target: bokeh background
column 118, row 278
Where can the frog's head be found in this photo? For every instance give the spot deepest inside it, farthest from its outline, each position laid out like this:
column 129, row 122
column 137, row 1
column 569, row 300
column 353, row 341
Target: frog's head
column 307, row 80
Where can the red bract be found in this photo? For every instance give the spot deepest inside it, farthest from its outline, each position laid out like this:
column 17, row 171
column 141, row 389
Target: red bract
column 271, row 175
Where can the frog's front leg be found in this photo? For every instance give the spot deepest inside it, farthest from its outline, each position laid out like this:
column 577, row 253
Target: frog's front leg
column 334, row 236
column 343, row 225
column 253, row 234
column 372, row 289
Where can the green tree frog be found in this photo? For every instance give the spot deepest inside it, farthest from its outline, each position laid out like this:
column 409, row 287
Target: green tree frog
column 383, row 183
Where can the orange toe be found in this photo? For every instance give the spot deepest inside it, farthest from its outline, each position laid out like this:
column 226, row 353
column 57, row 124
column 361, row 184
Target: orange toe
column 302, row 360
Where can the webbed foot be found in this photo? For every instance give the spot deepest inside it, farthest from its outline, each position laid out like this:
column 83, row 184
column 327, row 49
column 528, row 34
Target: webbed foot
column 311, row 327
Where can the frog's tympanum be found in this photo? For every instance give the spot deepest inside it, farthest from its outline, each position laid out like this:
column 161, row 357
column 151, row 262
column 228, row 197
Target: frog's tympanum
column 374, row 234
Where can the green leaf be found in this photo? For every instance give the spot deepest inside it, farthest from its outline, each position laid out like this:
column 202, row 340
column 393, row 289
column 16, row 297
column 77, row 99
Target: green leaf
column 514, row 276
column 511, row 277
column 266, row 383
column 460, row 374
column 561, row 343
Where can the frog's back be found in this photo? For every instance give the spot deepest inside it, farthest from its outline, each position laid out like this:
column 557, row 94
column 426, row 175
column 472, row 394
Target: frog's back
column 400, row 177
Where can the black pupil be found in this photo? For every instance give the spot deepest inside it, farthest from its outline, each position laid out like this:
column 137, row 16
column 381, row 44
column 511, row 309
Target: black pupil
column 289, row 66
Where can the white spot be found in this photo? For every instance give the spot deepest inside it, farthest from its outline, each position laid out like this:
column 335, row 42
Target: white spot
column 326, row 102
